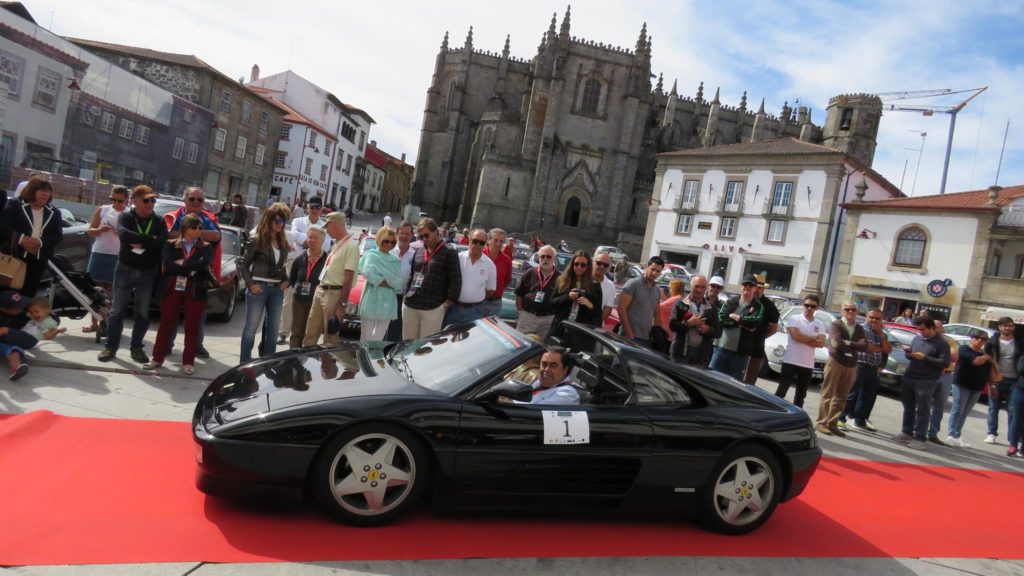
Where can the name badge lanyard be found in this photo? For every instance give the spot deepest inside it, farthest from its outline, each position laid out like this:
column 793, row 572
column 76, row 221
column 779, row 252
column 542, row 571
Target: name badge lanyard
column 310, row 264
column 330, row 255
column 543, row 283
column 149, row 226
column 428, row 254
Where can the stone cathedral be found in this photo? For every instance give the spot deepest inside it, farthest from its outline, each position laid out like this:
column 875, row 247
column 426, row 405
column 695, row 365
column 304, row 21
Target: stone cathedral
column 564, row 144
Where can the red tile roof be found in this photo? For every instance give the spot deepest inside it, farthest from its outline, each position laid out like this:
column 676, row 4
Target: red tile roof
column 290, row 115
column 972, row 201
column 376, row 157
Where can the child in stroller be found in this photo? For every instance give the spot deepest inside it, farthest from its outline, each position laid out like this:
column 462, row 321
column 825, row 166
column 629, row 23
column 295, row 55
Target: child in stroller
column 73, row 294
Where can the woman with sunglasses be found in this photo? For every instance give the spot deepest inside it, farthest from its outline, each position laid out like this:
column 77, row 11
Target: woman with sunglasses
column 577, row 297
column 186, row 263
column 106, row 244
column 262, row 267
column 383, row 273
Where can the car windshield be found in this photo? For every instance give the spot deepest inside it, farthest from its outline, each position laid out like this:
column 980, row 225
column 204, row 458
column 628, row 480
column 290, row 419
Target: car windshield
column 440, row 362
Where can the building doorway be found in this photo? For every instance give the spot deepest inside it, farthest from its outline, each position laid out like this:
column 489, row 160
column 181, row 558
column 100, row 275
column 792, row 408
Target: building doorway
column 720, row 267
column 573, row 208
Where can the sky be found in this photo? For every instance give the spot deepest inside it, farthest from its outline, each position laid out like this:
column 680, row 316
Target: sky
column 379, row 56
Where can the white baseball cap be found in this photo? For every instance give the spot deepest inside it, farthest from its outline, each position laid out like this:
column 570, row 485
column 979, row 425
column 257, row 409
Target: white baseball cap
column 717, row 281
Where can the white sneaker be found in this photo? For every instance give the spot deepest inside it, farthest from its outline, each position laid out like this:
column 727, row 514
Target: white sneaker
column 990, row 439
column 963, row 443
column 950, row 441
column 869, row 426
column 917, row 445
column 852, row 425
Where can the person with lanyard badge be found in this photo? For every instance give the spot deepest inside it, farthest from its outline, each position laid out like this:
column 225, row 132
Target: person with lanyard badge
column 602, row 264
column 502, row 267
column 105, row 244
column 262, row 267
column 304, row 277
column 30, row 228
column 435, row 284
column 143, row 235
column 383, row 273
column 195, row 201
column 479, row 278
column 186, row 263
column 330, row 298
column 534, row 295
column 405, row 252
column 577, row 297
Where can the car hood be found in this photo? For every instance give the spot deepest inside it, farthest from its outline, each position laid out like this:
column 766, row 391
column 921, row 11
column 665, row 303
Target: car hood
column 304, row 376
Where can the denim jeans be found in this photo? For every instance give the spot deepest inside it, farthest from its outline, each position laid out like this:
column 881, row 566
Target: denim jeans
column 729, row 363
column 459, row 313
column 1016, row 412
column 939, row 397
column 963, row 402
column 269, row 301
column 998, row 398
column 395, row 328
column 129, row 280
column 861, row 400
column 492, row 307
column 917, row 406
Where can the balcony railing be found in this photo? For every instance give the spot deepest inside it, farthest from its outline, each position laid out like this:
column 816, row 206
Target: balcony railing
column 778, row 210
column 1011, row 218
column 733, row 207
column 691, row 204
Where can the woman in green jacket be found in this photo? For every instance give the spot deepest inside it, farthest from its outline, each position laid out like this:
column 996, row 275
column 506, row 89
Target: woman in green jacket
column 383, row 273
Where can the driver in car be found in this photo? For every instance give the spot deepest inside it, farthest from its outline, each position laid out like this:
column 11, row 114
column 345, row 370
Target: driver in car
column 553, row 386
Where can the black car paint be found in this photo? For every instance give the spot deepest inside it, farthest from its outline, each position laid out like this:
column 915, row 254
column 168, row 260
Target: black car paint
column 488, row 455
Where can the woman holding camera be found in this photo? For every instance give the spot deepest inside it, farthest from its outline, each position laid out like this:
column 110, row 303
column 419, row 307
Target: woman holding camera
column 577, row 297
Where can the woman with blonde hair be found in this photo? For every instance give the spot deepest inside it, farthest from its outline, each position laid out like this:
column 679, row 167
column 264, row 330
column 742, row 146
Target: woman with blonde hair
column 676, row 291
column 262, row 268
column 577, row 297
column 186, row 265
column 383, row 273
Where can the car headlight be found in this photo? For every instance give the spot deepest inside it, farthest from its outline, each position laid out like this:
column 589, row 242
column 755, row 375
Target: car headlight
column 779, row 351
column 351, row 308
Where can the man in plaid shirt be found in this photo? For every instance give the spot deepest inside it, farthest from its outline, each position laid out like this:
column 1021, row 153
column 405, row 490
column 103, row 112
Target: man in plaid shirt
column 433, row 286
column 862, row 396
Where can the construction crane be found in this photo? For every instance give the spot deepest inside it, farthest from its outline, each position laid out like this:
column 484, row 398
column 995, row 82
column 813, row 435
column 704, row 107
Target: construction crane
column 931, row 111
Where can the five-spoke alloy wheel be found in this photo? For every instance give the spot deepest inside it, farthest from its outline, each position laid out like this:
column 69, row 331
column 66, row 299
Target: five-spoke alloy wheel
column 743, row 491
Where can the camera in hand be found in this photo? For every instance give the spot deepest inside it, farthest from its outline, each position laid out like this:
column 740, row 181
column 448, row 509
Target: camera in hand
column 582, row 293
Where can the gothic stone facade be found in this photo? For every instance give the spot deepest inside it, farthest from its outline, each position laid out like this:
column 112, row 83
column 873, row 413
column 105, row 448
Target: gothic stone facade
column 564, row 143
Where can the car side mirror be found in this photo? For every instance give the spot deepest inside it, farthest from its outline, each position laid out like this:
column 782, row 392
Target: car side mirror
column 514, row 389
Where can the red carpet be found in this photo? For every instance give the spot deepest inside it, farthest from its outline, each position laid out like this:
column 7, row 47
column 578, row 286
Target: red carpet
column 90, row 491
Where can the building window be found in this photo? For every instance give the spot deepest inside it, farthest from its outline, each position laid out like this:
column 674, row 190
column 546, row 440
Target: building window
column 910, row 246
column 261, row 151
column 348, row 132
column 127, row 129
column 348, row 164
column 240, row 147
column 733, row 196
column 280, row 158
column 782, row 198
column 591, row 96
column 688, row 199
column 264, row 120
column 728, row 228
column 225, row 102
column 341, row 158
column 362, row 140
column 220, row 138
column 327, row 147
column 188, row 116
column 246, row 111
column 778, row 276
column 776, row 231
column 323, row 172
column 684, row 225
column 308, row 170
column 312, row 139
column 847, row 119
column 47, row 88
column 107, row 124
column 193, row 153
column 11, row 69
column 179, row 147
column 142, row 135
column 286, row 132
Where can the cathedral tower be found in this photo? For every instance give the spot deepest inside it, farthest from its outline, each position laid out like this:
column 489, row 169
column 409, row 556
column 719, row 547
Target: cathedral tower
column 851, row 125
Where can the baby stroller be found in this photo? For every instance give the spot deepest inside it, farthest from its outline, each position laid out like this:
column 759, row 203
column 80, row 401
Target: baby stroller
column 73, row 294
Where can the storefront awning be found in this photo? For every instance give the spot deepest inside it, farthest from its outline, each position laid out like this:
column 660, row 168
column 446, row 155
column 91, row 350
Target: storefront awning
column 994, row 313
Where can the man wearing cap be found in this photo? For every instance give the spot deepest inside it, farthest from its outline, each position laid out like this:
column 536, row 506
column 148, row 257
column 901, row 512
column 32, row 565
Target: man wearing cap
column 479, row 278
column 435, row 284
column 142, row 234
column 336, row 281
column 753, row 342
column 742, row 313
column 602, row 264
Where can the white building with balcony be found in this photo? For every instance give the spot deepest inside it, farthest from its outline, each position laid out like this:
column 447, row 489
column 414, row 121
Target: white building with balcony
column 348, row 127
column 959, row 256
column 770, row 207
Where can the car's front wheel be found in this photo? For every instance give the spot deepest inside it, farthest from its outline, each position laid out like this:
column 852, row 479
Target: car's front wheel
column 370, row 474
column 743, row 491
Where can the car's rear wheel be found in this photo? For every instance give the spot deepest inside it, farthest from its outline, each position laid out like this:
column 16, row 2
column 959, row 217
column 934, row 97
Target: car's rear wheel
column 743, row 491
column 370, row 474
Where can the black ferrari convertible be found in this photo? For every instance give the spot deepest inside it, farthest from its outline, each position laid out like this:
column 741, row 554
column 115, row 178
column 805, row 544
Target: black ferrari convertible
column 369, row 429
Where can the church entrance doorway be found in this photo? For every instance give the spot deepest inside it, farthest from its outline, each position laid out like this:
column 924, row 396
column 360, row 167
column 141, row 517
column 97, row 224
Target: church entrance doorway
column 573, row 209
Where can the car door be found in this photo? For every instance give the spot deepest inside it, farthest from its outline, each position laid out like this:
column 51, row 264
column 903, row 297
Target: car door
column 513, row 453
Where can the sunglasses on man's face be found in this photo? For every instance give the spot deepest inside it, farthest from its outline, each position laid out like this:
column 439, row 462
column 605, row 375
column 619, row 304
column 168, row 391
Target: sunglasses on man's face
column 194, row 199
column 849, row 309
column 546, row 257
column 149, row 200
column 806, row 305
column 479, row 242
column 602, row 264
column 425, row 236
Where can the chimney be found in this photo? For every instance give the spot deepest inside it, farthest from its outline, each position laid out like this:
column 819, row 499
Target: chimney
column 403, row 157
column 373, row 143
column 255, row 74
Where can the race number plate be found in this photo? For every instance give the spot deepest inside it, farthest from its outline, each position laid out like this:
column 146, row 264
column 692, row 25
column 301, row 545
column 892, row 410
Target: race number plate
column 566, row 427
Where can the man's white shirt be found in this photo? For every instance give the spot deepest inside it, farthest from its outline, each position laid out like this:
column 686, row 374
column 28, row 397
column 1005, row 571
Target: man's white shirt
column 478, row 278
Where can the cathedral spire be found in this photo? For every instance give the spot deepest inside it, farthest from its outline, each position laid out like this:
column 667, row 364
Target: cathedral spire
column 761, row 109
column 469, row 40
column 716, row 101
column 641, row 42
column 743, row 101
column 675, row 91
column 564, row 30
column 700, row 92
column 505, row 51
column 660, row 89
column 554, row 20
column 444, row 43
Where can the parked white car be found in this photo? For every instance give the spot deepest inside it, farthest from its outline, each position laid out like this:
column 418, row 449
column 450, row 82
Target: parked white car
column 614, row 251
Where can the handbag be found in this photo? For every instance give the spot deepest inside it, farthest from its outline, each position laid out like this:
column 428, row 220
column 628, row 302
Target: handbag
column 12, row 269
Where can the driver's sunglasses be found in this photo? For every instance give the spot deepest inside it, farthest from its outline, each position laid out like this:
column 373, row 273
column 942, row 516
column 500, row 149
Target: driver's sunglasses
column 602, row 264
